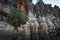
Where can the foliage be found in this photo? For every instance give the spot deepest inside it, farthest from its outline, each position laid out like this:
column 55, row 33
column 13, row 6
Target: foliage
column 16, row 17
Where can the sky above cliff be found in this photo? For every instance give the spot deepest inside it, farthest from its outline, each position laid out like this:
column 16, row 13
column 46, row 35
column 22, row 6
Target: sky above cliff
column 53, row 2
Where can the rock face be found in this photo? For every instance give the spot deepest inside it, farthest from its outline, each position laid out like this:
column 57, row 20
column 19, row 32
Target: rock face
column 48, row 15
column 5, row 26
column 45, row 8
column 48, row 11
